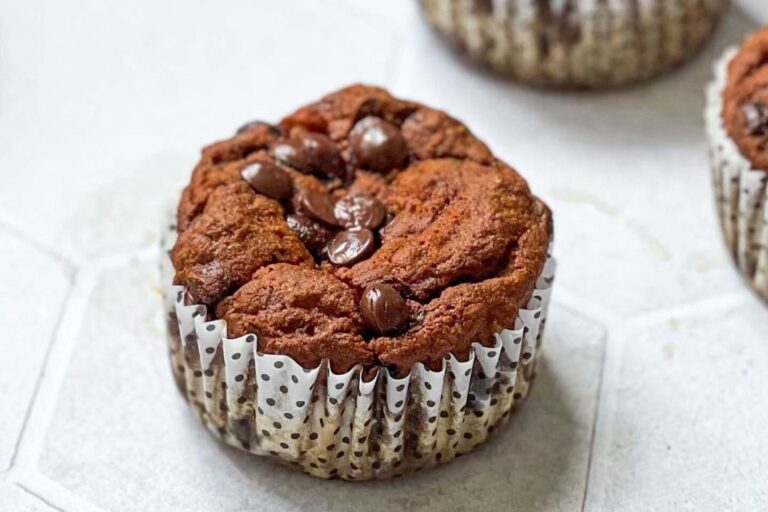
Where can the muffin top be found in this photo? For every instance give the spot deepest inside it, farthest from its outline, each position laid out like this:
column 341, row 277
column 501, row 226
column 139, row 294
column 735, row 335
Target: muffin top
column 745, row 99
column 363, row 229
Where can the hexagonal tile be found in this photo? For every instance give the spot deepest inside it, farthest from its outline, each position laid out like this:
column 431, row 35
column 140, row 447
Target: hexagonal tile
column 106, row 114
column 140, row 448
column 683, row 422
column 35, row 286
column 625, row 171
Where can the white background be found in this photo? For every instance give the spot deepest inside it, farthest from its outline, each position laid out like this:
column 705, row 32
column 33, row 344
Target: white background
column 651, row 395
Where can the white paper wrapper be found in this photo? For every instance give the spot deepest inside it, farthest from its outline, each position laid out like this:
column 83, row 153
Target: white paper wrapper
column 741, row 193
column 343, row 426
column 576, row 43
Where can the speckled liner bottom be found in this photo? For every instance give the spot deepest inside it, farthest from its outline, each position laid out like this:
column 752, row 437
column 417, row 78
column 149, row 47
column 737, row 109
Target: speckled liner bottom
column 576, row 43
column 741, row 193
column 341, row 426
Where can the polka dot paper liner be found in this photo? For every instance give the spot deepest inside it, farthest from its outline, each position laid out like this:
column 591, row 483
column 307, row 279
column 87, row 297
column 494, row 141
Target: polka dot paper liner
column 741, row 192
column 341, row 425
column 576, row 43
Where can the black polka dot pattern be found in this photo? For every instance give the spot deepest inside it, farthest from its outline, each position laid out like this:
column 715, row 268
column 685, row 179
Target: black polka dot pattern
column 435, row 416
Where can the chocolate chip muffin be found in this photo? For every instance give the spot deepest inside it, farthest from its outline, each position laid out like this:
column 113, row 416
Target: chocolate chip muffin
column 737, row 122
column 368, row 232
column 576, row 43
column 745, row 100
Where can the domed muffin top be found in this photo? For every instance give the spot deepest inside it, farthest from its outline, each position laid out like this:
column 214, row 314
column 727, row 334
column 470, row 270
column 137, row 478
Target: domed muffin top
column 745, row 99
column 363, row 229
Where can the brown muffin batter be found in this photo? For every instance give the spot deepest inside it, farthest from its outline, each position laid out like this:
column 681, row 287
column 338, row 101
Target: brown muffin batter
column 404, row 238
column 745, row 98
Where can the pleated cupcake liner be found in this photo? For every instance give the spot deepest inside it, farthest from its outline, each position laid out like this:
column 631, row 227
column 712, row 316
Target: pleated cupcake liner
column 576, row 43
column 741, row 192
column 358, row 425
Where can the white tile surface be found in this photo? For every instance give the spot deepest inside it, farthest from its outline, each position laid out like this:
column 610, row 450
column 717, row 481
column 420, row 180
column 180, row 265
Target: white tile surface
column 687, row 427
column 756, row 8
column 34, row 287
column 103, row 108
column 140, row 449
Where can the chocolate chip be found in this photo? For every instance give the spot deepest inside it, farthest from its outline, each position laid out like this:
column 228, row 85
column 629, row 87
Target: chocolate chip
column 312, row 153
column 317, row 205
column 291, row 153
column 351, row 246
column 384, row 310
column 314, row 236
column 756, row 115
column 377, row 145
column 268, row 179
column 359, row 211
column 273, row 130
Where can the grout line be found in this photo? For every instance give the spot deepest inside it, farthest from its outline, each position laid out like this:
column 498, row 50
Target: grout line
column 38, row 496
column 54, row 494
column 595, row 417
column 55, row 363
column 59, row 353
column 41, row 374
column 41, row 246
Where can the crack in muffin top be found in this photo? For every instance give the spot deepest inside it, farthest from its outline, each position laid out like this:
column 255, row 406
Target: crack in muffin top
column 362, row 229
column 745, row 99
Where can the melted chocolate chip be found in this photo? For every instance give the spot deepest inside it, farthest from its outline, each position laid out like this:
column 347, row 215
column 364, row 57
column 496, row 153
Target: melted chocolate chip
column 384, row 310
column 360, row 211
column 317, row 205
column 351, row 246
column 756, row 115
column 377, row 145
column 314, row 235
column 268, row 179
column 273, row 130
column 312, row 153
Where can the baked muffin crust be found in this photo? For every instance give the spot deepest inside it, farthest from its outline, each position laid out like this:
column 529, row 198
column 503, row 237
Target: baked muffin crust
column 745, row 99
column 461, row 239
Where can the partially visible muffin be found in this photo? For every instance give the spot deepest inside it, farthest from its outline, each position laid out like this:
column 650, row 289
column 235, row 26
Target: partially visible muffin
column 737, row 123
column 576, row 43
column 745, row 99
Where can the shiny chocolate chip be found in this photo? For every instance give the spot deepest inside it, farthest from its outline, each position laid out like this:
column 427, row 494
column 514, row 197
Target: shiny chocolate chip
column 360, row 211
column 384, row 310
column 351, row 246
column 273, row 130
column 317, row 205
column 756, row 115
column 312, row 153
column 377, row 145
column 291, row 153
column 268, row 179
column 314, row 235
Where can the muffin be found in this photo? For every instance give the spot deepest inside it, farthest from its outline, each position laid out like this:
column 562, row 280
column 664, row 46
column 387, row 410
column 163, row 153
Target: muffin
column 576, row 43
column 737, row 129
column 359, row 290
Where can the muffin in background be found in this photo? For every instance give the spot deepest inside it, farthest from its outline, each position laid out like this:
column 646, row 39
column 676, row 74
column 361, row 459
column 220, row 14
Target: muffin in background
column 359, row 291
column 737, row 129
column 576, row 43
